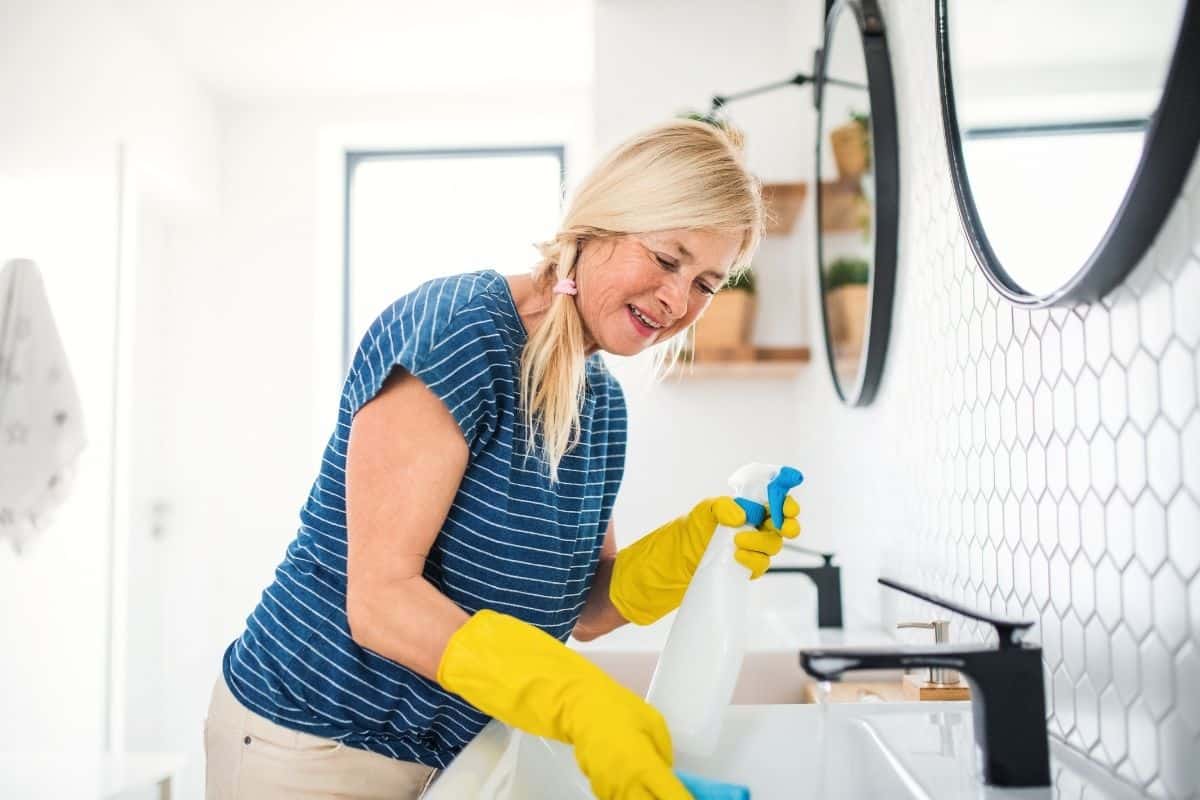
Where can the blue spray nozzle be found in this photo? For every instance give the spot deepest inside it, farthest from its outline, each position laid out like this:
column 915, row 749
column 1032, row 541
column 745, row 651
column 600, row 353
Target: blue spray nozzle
column 764, row 483
column 787, row 479
column 755, row 513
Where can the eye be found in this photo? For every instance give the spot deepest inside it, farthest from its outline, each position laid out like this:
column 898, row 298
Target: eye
column 672, row 266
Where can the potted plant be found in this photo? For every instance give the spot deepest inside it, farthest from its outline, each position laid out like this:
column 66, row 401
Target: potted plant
column 846, row 204
column 852, row 146
column 699, row 116
column 723, row 331
column 846, row 303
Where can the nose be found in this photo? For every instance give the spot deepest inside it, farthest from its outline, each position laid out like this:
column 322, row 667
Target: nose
column 672, row 295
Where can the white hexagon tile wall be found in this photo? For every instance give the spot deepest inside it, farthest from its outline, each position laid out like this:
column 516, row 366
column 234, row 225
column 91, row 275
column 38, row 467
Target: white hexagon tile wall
column 1056, row 456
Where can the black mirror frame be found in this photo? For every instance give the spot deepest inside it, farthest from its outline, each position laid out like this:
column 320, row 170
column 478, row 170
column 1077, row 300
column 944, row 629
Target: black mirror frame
column 885, row 160
column 1171, row 141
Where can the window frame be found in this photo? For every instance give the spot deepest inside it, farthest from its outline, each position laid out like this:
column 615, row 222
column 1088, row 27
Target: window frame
column 355, row 158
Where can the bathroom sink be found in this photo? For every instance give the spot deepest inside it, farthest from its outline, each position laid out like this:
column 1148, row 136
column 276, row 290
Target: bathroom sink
column 930, row 748
column 775, row 751
column 907, row 751
column 796, row 751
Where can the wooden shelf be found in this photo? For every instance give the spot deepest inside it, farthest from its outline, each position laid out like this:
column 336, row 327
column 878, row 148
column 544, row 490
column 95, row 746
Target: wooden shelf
column 747, row 362
column 784, row 202
column 840, row 206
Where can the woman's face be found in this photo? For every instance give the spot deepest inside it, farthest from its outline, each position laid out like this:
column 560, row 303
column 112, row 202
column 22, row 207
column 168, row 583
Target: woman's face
column 643, row 288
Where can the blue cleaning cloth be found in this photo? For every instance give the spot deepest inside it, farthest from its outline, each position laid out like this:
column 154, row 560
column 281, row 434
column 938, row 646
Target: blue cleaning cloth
column 706, row 789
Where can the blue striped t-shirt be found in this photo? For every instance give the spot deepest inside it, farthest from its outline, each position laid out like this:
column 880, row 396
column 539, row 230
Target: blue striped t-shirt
column 512, row 541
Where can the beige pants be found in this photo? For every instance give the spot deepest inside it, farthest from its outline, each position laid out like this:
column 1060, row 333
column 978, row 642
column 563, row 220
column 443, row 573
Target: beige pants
column 251, row 758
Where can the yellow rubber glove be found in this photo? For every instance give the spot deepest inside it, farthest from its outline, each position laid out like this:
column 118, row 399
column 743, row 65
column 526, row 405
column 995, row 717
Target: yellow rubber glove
column 650, row 577
column 526, row 678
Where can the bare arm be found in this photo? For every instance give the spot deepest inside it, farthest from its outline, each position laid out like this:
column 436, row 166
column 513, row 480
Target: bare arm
column 599, row 615
column 405, row 461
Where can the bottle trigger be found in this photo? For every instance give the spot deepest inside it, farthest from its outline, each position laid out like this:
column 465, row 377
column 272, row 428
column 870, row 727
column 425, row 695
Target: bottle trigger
column 755, row 513
column 787, row 479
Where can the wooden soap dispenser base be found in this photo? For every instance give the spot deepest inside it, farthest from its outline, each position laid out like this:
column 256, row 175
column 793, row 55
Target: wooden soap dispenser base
column 918, row 687
column 936, row 683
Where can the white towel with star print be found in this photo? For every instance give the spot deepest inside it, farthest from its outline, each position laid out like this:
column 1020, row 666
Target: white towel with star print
column 41, row 422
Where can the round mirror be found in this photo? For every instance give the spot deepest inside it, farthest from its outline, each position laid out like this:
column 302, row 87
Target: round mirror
column 858, row 202
column 1070, row 126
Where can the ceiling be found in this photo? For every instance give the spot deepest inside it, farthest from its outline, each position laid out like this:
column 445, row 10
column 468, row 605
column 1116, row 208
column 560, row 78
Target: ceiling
column 249, row 49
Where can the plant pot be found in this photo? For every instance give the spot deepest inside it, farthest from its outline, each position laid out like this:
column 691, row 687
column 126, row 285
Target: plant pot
column 846, row 309
column 726, row 323
column 849, row 150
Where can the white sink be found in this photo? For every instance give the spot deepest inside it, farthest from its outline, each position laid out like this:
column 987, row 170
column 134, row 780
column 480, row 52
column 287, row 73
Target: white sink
column 773, row 750
column 918, row 751
column 930, row 748
column 796, row 751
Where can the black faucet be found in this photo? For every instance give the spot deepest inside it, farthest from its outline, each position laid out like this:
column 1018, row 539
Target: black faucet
column 828, row 579
column 1008, row 695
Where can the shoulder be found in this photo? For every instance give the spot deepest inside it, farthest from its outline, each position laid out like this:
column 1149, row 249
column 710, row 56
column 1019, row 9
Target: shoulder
column 472, row 310
column 453, row 333
column 441, row 305
column 448, row 322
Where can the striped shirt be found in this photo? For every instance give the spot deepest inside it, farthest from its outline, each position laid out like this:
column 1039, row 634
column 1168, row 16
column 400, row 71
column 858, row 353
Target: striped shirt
column 512, row 542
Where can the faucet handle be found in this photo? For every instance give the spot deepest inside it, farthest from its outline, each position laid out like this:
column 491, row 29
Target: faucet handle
column 1009, row 631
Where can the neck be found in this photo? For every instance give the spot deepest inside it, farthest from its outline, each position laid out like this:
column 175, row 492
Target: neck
column 532, row 299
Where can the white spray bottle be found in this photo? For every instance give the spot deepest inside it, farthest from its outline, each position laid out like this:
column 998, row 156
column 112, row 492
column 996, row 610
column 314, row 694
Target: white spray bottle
column 699, row 665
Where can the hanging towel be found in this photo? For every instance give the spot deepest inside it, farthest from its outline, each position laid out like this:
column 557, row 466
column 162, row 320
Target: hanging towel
column 41, row 421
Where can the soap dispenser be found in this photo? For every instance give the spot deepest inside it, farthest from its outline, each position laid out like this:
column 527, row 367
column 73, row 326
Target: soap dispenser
column 940, row 683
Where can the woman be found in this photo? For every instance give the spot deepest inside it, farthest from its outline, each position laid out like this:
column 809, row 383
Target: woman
column 459, row 531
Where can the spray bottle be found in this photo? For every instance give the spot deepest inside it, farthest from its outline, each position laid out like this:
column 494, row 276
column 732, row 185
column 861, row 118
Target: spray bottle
column 699, row 665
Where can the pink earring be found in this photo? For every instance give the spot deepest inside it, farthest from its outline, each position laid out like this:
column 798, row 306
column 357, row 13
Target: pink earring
column 565, row 286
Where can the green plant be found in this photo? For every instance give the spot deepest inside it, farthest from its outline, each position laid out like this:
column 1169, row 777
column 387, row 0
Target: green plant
column 847, row 272
column 699, row 116
column 741, row 281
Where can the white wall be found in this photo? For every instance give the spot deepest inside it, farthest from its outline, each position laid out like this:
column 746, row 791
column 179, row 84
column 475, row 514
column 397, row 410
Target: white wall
column 234, row 370
column 75, row 80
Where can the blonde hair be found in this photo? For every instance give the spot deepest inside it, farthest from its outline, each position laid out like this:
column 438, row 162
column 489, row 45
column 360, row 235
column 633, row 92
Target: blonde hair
column 679, row 174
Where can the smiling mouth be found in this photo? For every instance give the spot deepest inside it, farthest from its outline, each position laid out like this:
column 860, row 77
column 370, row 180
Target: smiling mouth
column 642, row 318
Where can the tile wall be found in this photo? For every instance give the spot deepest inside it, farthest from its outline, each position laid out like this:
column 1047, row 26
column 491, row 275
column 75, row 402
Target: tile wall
column 1056, row 456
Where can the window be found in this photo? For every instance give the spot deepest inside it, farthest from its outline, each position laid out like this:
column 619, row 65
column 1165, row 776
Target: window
column 413, row 216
